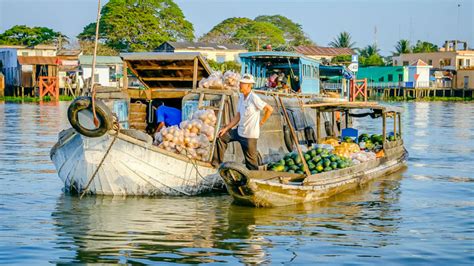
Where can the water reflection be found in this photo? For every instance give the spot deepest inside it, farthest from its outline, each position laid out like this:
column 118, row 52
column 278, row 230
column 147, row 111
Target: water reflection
column 210, row 229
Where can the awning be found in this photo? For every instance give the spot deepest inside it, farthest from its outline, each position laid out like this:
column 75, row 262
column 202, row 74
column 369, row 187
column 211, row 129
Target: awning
column 38, row 60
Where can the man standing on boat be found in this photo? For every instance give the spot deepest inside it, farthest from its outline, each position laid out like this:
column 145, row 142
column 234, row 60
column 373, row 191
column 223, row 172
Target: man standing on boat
column 249, row 123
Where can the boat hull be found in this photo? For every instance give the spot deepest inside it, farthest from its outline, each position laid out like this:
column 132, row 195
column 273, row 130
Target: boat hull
column 256, row 188
column 131, row 167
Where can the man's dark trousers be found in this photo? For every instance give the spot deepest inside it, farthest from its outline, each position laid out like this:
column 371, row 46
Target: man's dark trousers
column 249, row 148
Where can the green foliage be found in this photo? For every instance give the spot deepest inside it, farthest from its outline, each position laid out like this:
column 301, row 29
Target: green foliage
column 344, row 39
column 224, row 32
column 402, row 47
column 139, row 25
column 28, row 99
column 31, row 36
column 292, row 32
column 87, row 48
column 369, row 50
column 223, row 67
column 372, row 60
column 276, row 30
column 259, row 34
column 424, row 47
column 341, row 59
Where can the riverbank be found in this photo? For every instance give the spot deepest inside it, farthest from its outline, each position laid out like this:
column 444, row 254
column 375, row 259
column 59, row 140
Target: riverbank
column 428, row 99
column 13, row 99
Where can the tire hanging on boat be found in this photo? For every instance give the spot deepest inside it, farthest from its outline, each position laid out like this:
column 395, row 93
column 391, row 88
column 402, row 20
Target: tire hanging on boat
column 104, row 116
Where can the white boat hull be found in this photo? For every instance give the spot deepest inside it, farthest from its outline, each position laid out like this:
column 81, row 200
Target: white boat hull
column 131, row 167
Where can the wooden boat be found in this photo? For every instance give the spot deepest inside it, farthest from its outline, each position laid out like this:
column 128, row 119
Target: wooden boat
column 124, row 161
column 262, row 188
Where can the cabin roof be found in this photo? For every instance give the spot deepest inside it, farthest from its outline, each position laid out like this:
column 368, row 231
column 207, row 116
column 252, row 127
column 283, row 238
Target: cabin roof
column 275, row 54
column 353, row 105
column 158, row 70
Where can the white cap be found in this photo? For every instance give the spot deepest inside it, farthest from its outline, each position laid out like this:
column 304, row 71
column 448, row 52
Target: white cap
column 247, row 78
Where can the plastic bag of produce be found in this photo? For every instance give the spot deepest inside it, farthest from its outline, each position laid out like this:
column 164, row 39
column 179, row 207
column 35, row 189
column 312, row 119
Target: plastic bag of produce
column 231, row 79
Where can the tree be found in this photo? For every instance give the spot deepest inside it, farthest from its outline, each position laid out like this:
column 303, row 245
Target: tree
column 139, row 25
column 224, row 66
column 225, row 31
column 87, row 48
column 369, row 50
column 292, row 32
column 402, row 47
column 31, row 36
column 341, row 59
column 424, row 47
column 343, row 40
column 259, row 34
column 369, row 56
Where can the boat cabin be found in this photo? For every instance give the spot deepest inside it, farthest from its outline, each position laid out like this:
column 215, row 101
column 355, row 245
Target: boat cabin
column 301, row 72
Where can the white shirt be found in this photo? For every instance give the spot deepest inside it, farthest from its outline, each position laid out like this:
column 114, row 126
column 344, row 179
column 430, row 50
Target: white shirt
column 249, row 109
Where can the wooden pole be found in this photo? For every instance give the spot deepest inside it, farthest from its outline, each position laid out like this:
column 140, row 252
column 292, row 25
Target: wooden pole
column 384, row 128
column 400, row 125
column 395, row 124
column 218, row 126
column 94, row 57
column 125, row 76
column 195, row 73
column 318, row 126
column 295, row 138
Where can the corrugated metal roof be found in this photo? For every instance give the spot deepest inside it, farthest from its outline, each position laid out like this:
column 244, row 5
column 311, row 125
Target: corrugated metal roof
column 327, row 51
column 38, row 60
column 100, row 60
column 206, row 46
column 68, row 52
column 159, row 56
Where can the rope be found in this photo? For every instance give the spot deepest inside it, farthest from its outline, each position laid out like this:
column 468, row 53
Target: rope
column 117, row 127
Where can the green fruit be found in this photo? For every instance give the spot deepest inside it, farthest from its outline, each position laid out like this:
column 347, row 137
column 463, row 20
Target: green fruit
column 341, row 165
column 313, row 172
column 311, row 166
column 290, row 162
column 307, row 157
column 316, row 158
column 326, row 162
column 334, row 165
column 297, row 159
column 278, row 168
column 332, row 158
column 294, row 167
column 299, row 172
column 287, row 156
column 281, row 162
column 319, row 168
column 291, row 171
column 327, row 169
column 286, row 168
column 313, row 153
column 324, row 154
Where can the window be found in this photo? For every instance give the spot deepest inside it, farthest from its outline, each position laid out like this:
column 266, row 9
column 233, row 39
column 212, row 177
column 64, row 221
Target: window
column 430, row 62
column 400, row 77
column 460, row 63
column 390, row 77
column 468, row 62
column 112, row 74
column 395, row 63
column 405, row 63
column 38, row 53
column 220, row 58
column 381, row 79
column 24, row 53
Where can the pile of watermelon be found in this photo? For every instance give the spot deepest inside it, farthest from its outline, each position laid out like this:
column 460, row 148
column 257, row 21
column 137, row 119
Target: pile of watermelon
column 319, row 160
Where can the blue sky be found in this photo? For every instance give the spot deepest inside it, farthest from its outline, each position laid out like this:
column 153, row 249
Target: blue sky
column 431, row 20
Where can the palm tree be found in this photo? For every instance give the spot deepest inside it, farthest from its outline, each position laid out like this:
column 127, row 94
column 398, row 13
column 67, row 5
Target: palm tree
column 369, row 50
column 402, row 47
column 342, row 40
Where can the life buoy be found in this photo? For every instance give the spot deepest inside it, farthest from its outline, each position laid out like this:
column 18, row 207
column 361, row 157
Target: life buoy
column 103, row 113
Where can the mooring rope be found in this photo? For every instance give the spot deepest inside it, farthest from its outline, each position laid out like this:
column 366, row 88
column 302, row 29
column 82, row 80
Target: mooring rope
column 117, row 130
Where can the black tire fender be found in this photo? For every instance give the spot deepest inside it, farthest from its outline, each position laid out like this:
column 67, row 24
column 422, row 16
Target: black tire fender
column 104, row 115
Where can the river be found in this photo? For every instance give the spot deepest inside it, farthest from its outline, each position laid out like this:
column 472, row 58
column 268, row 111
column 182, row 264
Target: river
column 421, row 215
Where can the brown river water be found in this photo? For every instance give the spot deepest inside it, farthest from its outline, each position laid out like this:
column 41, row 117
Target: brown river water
column 421, row 215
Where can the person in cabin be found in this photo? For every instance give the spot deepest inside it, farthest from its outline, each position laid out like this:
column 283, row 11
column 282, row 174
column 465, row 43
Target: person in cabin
column 167, row 116
column 249, row 123
column 272, row 81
